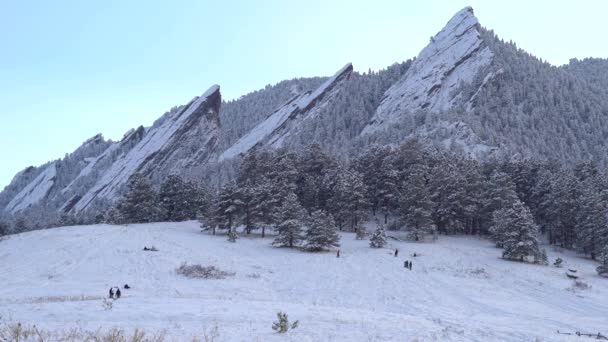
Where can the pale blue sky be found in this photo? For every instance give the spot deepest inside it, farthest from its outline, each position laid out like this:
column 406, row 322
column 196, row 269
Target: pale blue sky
column 71, row 69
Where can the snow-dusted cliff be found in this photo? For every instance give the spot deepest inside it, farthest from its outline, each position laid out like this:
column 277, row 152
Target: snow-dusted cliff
column 453, row 57
column 280, row 124
column 193, row 129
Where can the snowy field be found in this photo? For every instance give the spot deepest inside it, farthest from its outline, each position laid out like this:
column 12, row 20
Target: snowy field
column 459, row 288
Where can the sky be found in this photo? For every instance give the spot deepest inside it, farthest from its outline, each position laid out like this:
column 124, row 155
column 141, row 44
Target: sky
column 72, row 69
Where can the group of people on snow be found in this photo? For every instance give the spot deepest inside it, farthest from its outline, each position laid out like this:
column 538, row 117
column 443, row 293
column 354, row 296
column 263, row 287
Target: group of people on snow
column 407, row 263
column 115, row 294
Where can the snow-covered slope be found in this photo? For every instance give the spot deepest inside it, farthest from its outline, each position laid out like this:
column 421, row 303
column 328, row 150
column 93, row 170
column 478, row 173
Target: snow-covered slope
column 453, row 57
column 458, row 290
column 278, row 125
column 188, row 136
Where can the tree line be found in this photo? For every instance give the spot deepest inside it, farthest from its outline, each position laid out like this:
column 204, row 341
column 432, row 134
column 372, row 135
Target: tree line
column 423, row 192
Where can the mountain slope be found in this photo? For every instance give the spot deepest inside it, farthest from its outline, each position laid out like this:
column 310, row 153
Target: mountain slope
column 467, row 91
column 458, row 289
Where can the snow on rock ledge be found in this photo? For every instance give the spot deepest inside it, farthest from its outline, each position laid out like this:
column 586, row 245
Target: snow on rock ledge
column 454, row 56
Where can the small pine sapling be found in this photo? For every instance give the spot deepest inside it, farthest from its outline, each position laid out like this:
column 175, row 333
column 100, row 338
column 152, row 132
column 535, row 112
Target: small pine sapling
column 282, row 324
column 361, row 233
column 378, row 239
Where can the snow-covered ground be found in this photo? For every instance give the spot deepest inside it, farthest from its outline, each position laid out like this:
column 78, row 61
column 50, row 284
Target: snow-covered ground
column 459, row 288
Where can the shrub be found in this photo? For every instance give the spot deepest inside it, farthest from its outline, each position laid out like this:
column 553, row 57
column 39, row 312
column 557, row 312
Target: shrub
column 558, row 262
column 204, row 272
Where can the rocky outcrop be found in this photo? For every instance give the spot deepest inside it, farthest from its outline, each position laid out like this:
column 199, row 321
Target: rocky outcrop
column 453, row 57
column 182, row 138
column 282, row 122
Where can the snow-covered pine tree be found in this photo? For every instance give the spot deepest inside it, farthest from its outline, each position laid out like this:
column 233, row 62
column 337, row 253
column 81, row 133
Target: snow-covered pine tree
column 322, row 232
column 349, row 202
column 416, row 206
column 591, row 221
column 139, row 204
column 226, row 207
column 289, row 223
column 4, row 228
column 564, row 203
column 178, row 199
column 499, row 193
column 246, row 196
column 517, row 232
column 263, row 212
column 21, row 225
column 447, row 191
column 603, row 268
column 378, row 238
column 360, row 233
column 66, row 220
column 369, row 164
column 313, row 164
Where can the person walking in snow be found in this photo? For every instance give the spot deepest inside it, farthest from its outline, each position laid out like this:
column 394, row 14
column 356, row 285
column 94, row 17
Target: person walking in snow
column 111, row 292
column 396, row 252
column 410, row 264
column 117, row 293
column 338, row 254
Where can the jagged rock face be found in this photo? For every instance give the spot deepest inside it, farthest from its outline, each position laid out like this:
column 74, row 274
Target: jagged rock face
column 453, row 57
column 183, row 138
column 457, row 137
column 283, row 122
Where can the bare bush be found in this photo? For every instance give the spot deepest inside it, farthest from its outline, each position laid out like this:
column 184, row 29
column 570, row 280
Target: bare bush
column 581, row 285
column 203, row 272
column 18, row 332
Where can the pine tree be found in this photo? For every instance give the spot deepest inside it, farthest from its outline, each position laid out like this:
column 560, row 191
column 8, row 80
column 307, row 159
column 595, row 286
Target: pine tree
column 447, row 191
column 139, row 204
column 370, row 165
column 226, row 207
column 113, row 216
column 416, row 207
column 517, row 233
column 321, row 233
column 500, row 193
column 178, row 199
column 246, row 196
column 349, row 202
column 361, row 233
column 263, row 212
column 378, row 239
column 591, row 221
column 603, row 256
column 289, row 223
column 4, row 228
column 313, row 164
column 21, row 225
column 66, row 220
